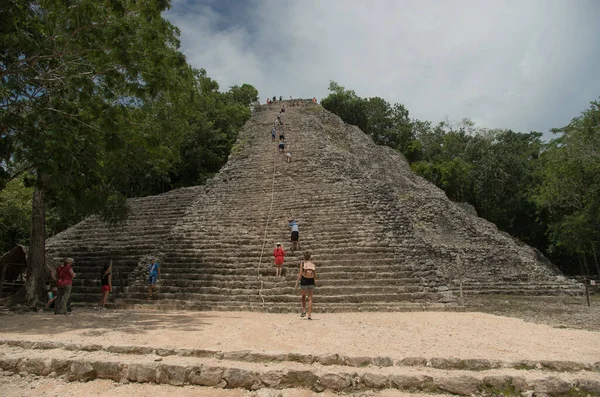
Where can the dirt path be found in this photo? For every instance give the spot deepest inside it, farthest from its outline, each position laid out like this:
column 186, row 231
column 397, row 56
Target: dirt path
column 396, row 335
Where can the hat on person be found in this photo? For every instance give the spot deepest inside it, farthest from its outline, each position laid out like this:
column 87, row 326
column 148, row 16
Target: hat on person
column 69, row 260
column 278, row 243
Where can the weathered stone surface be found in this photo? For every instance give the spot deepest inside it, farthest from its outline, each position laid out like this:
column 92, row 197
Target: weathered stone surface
column 47, row 345
column 206, row 375
column 9, row 363
column 235, row 355
column 331, row 359
column 82, row 371
column 37, row 366
column 301, row 358
column 273, row 378
column 91, row 348
column 506, row 383
column 375, row 381
column 413, row 382
column 171, row 374
column 200, row 353
column 413, row 361
column 563, row 366
column 462, row 385
column 266, row 357
column 238, row 378
column 337, row 382
column 553, row 386
column 164, row 352
column 142, row 373
column 301, row 379
column 382, row 361
column 110, row 370
column 129, row 349
column 60, row 366
column 358, row 361
column 589, row 386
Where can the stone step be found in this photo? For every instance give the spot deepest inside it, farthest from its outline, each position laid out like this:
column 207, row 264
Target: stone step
column 209, row 371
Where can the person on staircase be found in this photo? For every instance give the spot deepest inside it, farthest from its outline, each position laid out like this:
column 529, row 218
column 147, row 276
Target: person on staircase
column 64, row 276
column 295, row 237
column 288, row 157
column 106, row 280
column 273, row 132
column 154, row 276
column 281, row 136
column 279, row 255
column 281, row 147
column 307, row 277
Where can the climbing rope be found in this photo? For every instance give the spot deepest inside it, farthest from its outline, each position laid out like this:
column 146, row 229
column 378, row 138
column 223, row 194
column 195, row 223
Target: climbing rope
column 262, row 250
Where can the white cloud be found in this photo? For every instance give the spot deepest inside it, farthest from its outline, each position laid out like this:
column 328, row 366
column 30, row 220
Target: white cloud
column 511, row 64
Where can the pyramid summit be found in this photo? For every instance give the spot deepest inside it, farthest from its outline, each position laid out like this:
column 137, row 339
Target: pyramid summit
column 382, row 237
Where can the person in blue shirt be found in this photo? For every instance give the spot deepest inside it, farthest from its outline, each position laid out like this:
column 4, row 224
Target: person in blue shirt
column 154, row 276
column 293, row 224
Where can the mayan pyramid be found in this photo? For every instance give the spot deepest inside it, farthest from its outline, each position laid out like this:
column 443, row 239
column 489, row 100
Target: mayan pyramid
column 382, row 237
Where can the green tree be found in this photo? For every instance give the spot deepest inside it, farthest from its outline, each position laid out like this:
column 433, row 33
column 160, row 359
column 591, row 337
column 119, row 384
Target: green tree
column 81, row 81
column 15, row 214
column 570, row 188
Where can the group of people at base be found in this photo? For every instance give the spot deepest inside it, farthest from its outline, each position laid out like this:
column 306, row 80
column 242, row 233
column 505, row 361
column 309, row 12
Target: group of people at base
column 307, row 275
column 59, row 296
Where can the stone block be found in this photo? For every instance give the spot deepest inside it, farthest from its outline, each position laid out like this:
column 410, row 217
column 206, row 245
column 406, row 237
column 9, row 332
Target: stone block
column 174, row 375
column 60, row 366
column 142, row 373
column 563, row 366
column 413, row 361
column 129, row 350
column 81, row 371
column 301, row 358
column 205, row 375
column 462, row 385
column 412, row 382
column 382, row 361
column 10, row 363
column 37, row 366
column 358, row 361
column 375, row 381
column 165, row 352
column 589, row 386
column 110, row 370
column 273, row 378
column 305, row 379
column 239, row 378
column 553, row 386
column 336, row 382
column 330, row 359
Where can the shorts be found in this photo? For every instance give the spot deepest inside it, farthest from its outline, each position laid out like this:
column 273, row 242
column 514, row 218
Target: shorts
column 279, row 261
column 307, row 287
column 281, row 146
column 152, row 280
column 273, row 136
column 105, row 288
column 295, row 236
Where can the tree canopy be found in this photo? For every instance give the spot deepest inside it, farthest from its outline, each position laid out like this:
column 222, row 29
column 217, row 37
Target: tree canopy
column 98, row 104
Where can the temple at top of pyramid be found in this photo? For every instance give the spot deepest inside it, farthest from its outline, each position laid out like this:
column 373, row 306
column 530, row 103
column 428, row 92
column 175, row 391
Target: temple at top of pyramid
column 382, row 237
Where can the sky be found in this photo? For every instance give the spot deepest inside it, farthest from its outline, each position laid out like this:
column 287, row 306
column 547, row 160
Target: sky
column 523, row 65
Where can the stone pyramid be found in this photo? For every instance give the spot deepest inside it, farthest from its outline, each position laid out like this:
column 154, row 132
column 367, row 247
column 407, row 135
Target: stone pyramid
column 382, row 237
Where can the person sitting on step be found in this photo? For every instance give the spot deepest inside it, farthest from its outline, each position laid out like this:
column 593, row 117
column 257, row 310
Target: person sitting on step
column 307, row 277
column 279, row 255
column 281, row 146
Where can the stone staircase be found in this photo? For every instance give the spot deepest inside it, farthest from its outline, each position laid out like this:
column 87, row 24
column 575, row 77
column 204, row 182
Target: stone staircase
column 382, row 237
column 273, row 372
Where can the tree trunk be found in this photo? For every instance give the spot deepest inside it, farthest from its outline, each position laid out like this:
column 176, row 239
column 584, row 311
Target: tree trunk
column 35, row 288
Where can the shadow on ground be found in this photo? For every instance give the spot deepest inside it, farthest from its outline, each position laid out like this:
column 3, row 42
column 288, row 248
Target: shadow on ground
column 97, row 323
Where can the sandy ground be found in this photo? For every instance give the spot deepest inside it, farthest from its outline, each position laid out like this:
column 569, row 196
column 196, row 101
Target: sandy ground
column 396, row 335
column 15, row 386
